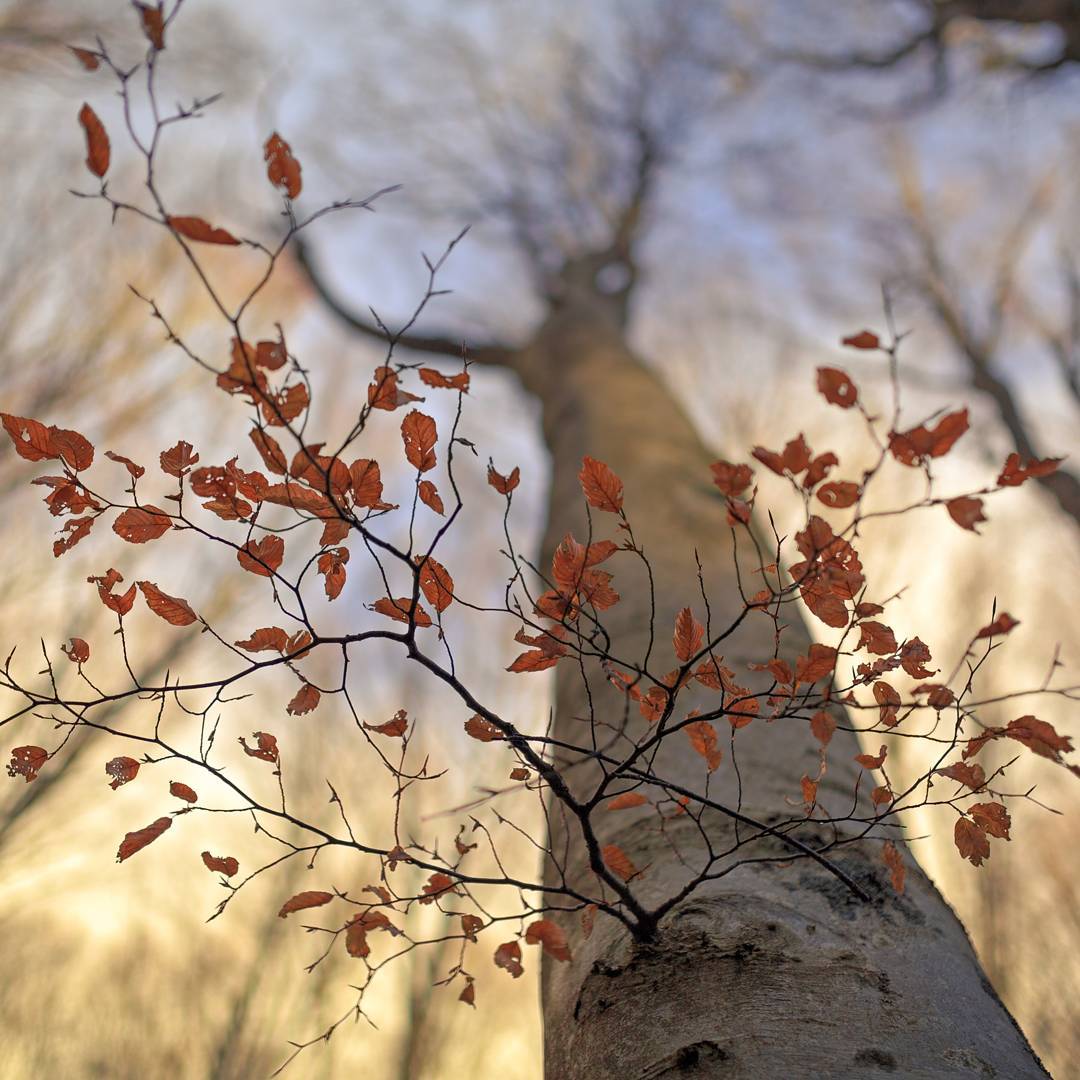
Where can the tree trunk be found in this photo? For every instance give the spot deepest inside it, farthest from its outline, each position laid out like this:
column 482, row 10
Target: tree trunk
column 771, row 971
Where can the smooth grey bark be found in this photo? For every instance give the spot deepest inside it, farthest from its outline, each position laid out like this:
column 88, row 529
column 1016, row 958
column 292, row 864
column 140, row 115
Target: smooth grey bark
column 771, row 971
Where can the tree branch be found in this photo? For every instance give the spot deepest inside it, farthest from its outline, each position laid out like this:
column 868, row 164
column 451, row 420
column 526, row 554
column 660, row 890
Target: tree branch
column 486, row 353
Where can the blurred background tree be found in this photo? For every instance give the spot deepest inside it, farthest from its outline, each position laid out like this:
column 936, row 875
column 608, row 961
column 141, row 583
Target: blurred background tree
column 742, row 198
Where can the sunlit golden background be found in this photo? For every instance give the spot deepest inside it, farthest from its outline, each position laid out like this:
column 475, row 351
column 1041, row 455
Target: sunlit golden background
column 802, row 193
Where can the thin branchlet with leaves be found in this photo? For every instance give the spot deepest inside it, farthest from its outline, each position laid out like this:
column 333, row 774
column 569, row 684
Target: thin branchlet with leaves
column 304, row 516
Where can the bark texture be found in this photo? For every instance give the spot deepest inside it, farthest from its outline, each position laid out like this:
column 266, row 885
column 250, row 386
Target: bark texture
column 770, row 972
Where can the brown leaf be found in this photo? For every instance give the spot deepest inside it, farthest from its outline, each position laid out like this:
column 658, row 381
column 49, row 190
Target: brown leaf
column 97, row 141
column 603, row 489
column 548, row 934
column 136, row 841
column 864, row 339
column 837, row 387
column 265, row 749
column 398, row 610
column 134, row 471
column 332, row 566
column 182, row 791
column 1014, row 474
column 88, row 59
column 431, row 377
column 366, row 482
column 118, row 602
column 872, row 761
column 138, row 525
column 265, row 639
column 78, row 652
column 508, row 956
column 171, row 608
column 435, row 583
column 626, row 801
column 966, row 512
column 892, row 858
column 914, row 655
column 818, row 664
column 262, row 557
column 419, row 434
column 269, row 450
column 617, row 861
column 809, row 792
column 282, row 169
column 888, row 699
column 304, row 900
column 429, row 495
column 395, row 728
column 503, row 484
column 877, row 638
column 703, row 739
column 27, row 762
column 1039, row 737
column 732, row 480
column 915, row 446
column 153, row 23
column 468, row 995
column 839, row 494
column 195, row 228
column 222, row 864
column 971, row 841
column 971, row 776
column 437, row 885
column 305, row 700
column 1000, row 626
column 122, row 770
column 482, row 730
column 689, row 635
column 471, row 925
column 822, row 726
column 992, row 818
column 534, row 660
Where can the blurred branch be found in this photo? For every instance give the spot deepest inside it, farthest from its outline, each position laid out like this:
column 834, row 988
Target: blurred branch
column 979, row 348
column 486, row 353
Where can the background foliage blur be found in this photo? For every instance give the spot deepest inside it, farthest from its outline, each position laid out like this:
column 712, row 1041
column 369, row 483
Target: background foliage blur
column 799, row 191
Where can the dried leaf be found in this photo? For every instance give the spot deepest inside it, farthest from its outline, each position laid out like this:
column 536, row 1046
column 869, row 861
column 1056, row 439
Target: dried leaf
column 431, row 377
column 435, row 583
column 305, row 700
column 482, row 730
column 837, row 387
column 548, row 934
column 262, row 557
column 966, row 512
column 603, row 489
column 282, row 169
column 265, row 749
column 419, row 434
column 732, row 480
column 617, row 861
column 508, row 956
column 122, row 770
column 971, row 841
column 27, row 762
column 182, row 791
column 703, row 739
column 136, row 841
column 97, row 141
column 503, row 484
column 1000, row 626
column 395, row 728
column 892, row 858
column 429, row 495
column 304, row 900
column 398, row 610
column 153, row 23
column 78, row 652
column 864, row 339
column 138, row 525
column 689, row 635
column 171, row 608
column 195, row 228
column 222, row 864
column 626, row 801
